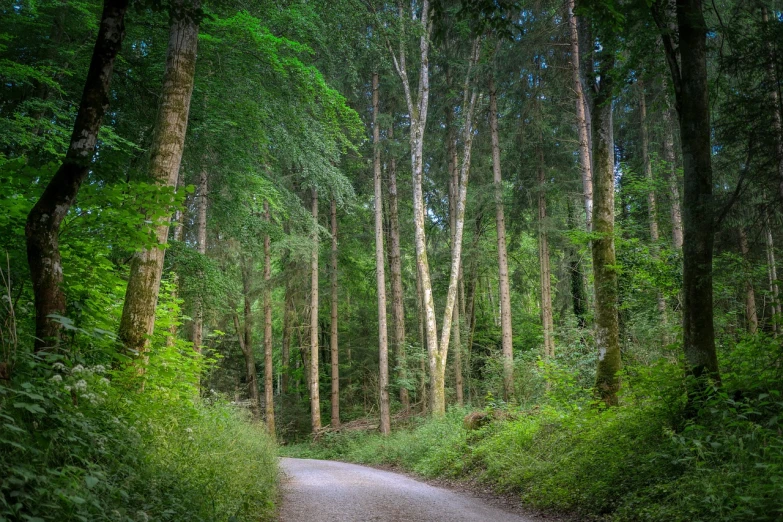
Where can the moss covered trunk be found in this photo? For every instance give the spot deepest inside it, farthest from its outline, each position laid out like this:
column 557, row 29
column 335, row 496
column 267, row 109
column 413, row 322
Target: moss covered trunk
column 138, row 314
column 607, row 335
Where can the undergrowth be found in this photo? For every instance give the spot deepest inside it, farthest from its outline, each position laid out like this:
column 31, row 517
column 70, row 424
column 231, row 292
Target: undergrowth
column 645, row 460
column 80, row 442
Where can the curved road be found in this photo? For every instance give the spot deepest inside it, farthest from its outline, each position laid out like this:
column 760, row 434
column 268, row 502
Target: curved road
column 322, row 490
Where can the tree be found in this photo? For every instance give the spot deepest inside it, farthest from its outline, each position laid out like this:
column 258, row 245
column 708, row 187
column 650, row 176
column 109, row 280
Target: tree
column 138, row 314
column 687, row 61
column 395, row 270
column 380, row 273
column 583, row 123
column 607, row 329
column 269, row 397
column 43, row 221
column 335, row 359
column 315, row 399
column 500, row 221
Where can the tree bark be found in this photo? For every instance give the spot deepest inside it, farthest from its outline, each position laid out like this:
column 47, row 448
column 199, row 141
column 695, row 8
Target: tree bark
column 674, row 184
column 269, row 397
column 582, row 118
column 453, row 197
column 286, row 348
column 500, row 221
column 138, row 314
column 438, row 379
column 178, row 215
column 335, row 355
column 250, row 368
column 383, row 346
column 315, row 400
column 543, row 256
column 652, row 206
column 751, row 313
column 423, row 395
column 201, row 247
column 417, row 109
column 777, row 117
column 689, row 75
column 43, row 221
column 395, row 267
column 772, row 271
column 605, row 276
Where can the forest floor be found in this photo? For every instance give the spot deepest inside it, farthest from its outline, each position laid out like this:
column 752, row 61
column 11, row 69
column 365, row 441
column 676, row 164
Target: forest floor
column 330, row 490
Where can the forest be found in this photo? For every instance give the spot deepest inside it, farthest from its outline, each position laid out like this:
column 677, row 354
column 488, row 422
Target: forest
column 527, row 244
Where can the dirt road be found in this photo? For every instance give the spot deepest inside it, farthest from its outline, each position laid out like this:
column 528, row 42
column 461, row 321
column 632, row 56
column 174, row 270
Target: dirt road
column 321, row 491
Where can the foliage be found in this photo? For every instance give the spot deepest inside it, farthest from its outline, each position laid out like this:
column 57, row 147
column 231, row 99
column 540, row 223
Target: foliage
column 82, row 442
column 638, row 461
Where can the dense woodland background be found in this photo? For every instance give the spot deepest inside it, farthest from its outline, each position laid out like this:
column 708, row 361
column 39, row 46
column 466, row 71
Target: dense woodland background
column 534, row 241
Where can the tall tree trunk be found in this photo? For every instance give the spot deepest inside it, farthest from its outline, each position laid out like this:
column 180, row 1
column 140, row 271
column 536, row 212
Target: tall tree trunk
column 582, row 118
column 777, row 117
column 201, row 247
column 138, row 314
column 605, row 275
column 250, row 368
column 395, row 267
column 772, row 271
column 383, row 347
column 453, row 196
column 418, row 106
column 286, row 348
column 543, row 256
column 43, row 223
column 438, row 379
column 674, row 184
column 269, row 398
column 335, row 355
column 751, row 313
column 315, row 399
column 178, row 215
column 423, row 395
column 652, row 206
column 500, row 221
column 689, row 75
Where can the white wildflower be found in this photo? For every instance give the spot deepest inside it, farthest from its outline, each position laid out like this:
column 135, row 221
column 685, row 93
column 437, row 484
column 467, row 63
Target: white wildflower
column 99, row 368
column 188, row 430
column 81, row 385
column 67, row 388
column 77, row 369
column 56, row 378
column 58, row 367
column 105, row 381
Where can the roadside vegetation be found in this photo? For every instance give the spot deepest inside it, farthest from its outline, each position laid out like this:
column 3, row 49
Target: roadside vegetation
column 643, row 460
column 81, row 441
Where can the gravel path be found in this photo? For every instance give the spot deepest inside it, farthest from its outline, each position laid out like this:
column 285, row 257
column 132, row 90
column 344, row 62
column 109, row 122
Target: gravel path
column 322, row 490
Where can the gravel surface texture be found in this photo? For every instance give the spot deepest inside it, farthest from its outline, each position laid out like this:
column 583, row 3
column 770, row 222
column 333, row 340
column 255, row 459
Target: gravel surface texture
column 322, row 490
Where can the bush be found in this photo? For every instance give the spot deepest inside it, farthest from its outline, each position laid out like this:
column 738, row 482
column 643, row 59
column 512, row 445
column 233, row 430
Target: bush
column 76, row 446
